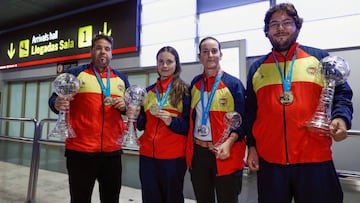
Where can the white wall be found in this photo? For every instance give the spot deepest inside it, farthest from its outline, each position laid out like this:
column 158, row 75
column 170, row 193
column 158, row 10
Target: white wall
column 328, row 24
column 346, row 152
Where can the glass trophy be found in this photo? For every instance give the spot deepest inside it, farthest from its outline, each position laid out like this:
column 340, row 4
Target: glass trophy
column 134, row 99
column 232, row 121
column 65, row 85
column 335, row 71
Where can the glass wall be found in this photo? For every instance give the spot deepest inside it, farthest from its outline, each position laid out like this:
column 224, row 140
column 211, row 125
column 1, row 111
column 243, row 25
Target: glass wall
column 29, row 99
column 25, row 99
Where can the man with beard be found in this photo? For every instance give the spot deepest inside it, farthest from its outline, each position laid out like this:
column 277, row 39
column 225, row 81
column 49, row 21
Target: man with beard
column 283, row 90
column 95, row 116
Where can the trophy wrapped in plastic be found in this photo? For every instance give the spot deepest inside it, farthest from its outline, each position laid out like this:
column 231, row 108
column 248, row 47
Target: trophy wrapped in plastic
column 232, row 121
column 134, row 99
column 64, row 85
column 335, row 71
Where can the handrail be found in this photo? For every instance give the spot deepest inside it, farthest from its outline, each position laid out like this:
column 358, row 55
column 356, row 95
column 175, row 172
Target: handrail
column 33, row 155
column 23, row 139
column 34, row 170
column 351, row 178
column 16, row 139
column 17, row 119
column 353, row 132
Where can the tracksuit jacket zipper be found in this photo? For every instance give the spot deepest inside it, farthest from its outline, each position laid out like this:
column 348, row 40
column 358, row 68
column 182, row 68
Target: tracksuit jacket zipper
column 102, row 126
column 153, row 141
column 284, row 117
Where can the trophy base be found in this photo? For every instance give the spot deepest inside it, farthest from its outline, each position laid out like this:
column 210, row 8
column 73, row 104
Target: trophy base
column 131, row 145
column 62, row 129
column 319, row 127
column 61, row 134
column 129, row 140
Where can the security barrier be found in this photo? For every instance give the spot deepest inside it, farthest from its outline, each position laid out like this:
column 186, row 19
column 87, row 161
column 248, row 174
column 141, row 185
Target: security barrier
column 35, row 155
column 350, row 180
column 35, row 158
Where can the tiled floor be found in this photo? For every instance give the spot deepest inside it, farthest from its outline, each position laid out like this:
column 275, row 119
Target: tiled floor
column 52, row 187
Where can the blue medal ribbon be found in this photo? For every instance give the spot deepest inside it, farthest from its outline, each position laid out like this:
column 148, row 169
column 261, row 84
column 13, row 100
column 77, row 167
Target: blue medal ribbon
column 105, row 90
column 206, row 110
column 161, row 102
column 286, row 82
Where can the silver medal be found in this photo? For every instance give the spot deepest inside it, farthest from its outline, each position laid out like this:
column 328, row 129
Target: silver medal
column 203, row 130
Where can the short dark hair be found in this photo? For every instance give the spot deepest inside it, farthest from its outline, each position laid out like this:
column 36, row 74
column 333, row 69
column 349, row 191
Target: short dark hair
column 206, row 38
column 289, row 9
column 102, row 36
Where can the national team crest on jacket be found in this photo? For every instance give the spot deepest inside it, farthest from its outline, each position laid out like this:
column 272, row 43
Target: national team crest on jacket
column 223, row 101
column 312, row 70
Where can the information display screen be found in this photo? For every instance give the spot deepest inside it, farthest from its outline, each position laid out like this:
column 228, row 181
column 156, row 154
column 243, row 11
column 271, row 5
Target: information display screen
column 70, row 37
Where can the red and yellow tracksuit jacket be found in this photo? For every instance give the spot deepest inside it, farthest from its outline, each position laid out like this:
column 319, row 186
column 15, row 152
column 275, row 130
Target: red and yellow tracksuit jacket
column 97, row 126
column 158, row 140
column 278, row 130
column 229, row 96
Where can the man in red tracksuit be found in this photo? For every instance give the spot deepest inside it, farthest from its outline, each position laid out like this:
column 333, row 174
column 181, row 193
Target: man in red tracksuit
column 95, row 116
column 283, row 91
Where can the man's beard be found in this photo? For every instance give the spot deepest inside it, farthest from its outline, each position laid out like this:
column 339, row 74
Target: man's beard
column 282, row 46
column 102, row 63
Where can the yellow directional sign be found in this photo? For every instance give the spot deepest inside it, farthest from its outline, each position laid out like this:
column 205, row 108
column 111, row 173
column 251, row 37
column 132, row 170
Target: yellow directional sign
column 55, row 41
column 11, row 51
column 105, row 31
column 24, row 48
column 85, row 36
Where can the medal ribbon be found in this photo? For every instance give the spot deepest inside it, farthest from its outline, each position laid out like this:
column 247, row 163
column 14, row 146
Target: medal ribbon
column 205, row 111
column 161, row 102
column 105, row 90
column 286, row 82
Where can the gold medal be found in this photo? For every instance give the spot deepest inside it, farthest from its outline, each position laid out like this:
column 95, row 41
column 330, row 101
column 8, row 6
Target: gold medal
column 108, row 101
column 286, row 98
column 154, row 109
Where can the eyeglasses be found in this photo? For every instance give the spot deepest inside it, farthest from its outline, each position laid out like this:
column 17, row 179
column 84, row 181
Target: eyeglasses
column 284, row 24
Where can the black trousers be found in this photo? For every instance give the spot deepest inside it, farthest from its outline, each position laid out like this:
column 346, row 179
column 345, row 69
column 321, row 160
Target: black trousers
column 303, row 183
column 162, row 180
column 206, row 183
column 85, row 170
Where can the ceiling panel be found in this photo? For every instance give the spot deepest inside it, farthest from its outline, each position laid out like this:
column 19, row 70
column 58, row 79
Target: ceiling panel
column 21, row 13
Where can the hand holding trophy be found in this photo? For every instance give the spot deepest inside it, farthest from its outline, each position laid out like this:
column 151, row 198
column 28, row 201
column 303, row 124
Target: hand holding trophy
column 232, row 120
column 335, row 70
column 65, row 85
column 134, row 98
